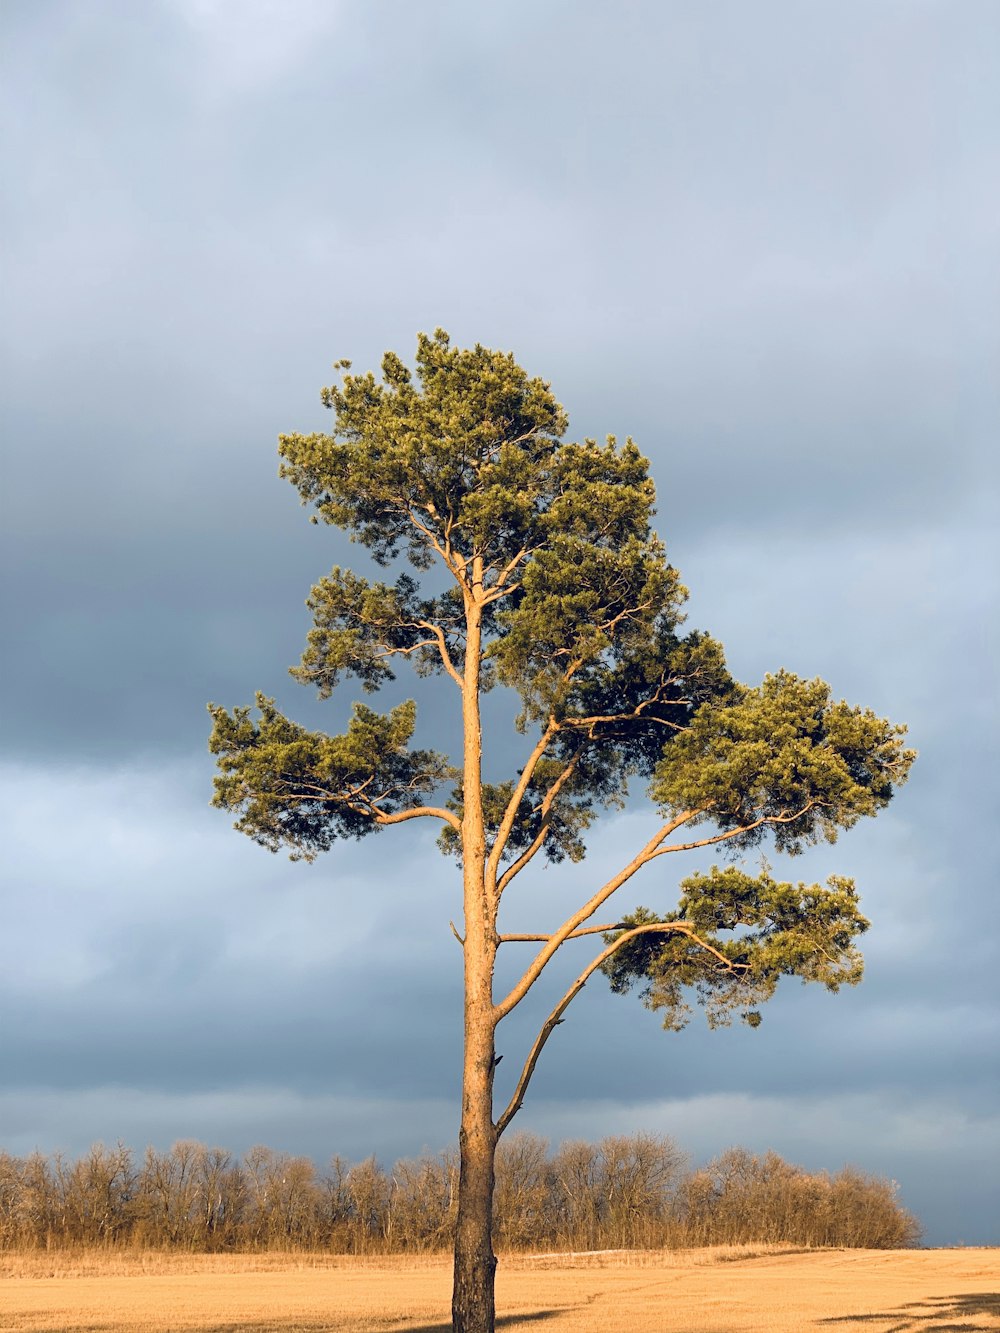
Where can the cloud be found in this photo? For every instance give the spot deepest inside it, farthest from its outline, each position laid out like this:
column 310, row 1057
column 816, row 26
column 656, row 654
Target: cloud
column 236, row 1118
column 172, row 980
column 763, row 244
column 942, row 1155
column 248, row 44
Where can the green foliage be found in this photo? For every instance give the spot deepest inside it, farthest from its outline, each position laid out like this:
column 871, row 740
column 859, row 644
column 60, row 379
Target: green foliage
column 758, row 930
column 450, row 462
column 546, row 548
column 302, row 789
column 785, row 757
column 462, row 464
column 359, row 626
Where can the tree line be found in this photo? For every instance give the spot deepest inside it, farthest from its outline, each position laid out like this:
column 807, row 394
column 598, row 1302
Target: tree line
column 626, row 1192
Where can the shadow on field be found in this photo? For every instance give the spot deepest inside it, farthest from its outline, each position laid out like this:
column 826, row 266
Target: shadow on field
column 310, row 1325
column 936, row 1314
column 502, row 1321
column 323, row 1325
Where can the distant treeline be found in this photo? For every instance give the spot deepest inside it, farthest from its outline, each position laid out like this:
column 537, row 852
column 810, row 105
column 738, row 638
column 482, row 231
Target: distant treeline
column 622, row 1193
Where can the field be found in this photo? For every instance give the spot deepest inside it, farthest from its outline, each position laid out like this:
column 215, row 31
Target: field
column 703, row 1291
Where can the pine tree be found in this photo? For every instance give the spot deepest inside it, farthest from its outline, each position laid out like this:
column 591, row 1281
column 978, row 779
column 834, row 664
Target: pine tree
column 543, row 577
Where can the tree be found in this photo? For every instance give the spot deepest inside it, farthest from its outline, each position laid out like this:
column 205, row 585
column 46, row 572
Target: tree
column 542, row 577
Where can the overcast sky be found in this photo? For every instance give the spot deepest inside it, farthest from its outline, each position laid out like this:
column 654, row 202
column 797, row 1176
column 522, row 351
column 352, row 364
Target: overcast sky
column 763, row 240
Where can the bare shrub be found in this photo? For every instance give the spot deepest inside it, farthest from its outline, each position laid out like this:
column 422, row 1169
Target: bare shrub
column 740, row 1197
column 625, row 1193
column 424, row 1203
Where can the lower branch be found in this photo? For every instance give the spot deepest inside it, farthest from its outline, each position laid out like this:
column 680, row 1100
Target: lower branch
column 574, row 935
column 503, row 834
column 419, row 812
column 549, row 950
column 728, row 834
column 654, row 848
column 555, row 1017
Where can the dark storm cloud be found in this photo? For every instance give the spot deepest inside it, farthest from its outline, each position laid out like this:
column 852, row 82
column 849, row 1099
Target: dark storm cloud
column 761, row 242
column 783, row 307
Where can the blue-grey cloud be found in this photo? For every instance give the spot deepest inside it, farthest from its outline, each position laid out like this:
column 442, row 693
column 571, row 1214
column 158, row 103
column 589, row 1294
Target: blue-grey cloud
column 764, row 244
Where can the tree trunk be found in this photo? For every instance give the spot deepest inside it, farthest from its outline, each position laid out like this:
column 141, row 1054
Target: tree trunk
column 472, row 1305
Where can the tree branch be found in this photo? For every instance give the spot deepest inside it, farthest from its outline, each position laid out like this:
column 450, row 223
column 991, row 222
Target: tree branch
column 597, row 718
column 538, row 841
column 576, row 935
column 442, row 644
column 498, row 588
column 452, row 559
column 545, row 954
column 736, row 832
column 652, row 849
column 656, row 697
column 555, row 1017
column 510, row 813
column 420, row 812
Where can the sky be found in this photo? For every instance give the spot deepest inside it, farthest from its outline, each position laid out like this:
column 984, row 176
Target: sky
column 762, row 240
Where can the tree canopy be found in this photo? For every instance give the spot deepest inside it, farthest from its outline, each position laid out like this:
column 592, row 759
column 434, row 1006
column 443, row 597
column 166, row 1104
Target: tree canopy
column 462, row 465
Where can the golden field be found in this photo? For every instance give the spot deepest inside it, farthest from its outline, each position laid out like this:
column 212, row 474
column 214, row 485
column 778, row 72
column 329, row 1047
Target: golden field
column 744, row 1290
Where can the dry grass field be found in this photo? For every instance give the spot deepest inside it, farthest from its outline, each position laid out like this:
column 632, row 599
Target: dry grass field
column 706, row 1291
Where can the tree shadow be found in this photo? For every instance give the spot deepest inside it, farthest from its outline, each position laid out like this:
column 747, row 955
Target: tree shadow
column 935, row 1314
column 502, row 1321
column 322, row 1326
column 314, row 1325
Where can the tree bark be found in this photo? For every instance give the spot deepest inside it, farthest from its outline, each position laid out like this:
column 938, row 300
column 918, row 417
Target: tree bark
column 472, row 1308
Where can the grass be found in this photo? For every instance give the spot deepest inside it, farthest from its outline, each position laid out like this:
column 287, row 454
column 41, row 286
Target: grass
column 758, row 1289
